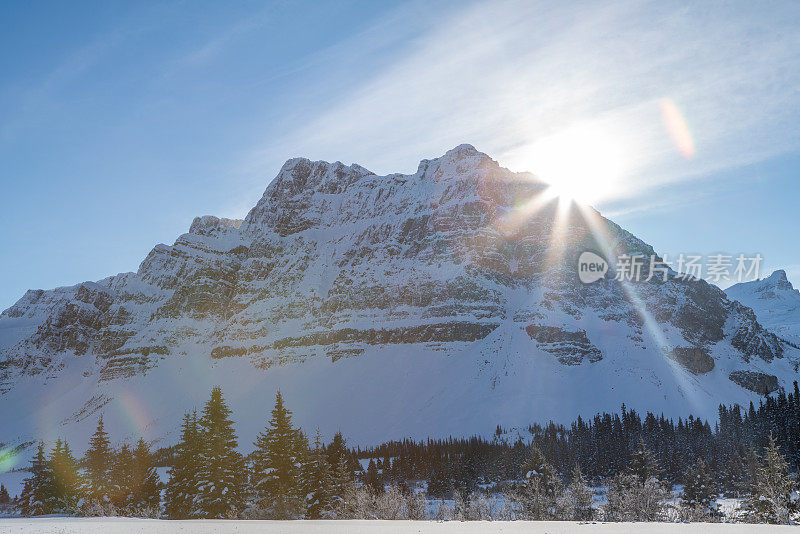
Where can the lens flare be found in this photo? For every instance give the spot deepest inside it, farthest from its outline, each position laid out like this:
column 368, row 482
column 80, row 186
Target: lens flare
column 8, row 459
column 584, row 162
column 677, row 127
column 135, row 412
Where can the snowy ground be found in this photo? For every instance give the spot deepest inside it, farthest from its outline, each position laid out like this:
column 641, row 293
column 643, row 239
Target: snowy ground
column 135, row 526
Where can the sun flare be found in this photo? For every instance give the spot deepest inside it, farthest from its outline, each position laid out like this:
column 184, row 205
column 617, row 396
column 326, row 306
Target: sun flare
column 583, row 163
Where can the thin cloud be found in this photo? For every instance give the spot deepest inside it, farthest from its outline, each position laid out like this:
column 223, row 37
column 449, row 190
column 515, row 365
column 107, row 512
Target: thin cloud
column 218, row 43
column 36, row 102
column 504, row 74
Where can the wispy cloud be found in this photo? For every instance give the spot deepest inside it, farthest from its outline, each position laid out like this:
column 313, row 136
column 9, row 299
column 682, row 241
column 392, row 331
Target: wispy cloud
column 33, row 103
column 37, row 100
column 505, row 74
column 219, row 42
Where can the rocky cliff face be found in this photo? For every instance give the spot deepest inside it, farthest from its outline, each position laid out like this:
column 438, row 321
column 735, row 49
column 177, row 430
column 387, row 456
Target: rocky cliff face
column 463, row 272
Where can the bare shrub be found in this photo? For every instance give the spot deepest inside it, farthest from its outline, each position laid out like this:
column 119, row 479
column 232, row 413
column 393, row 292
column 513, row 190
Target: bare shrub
column 392, row 504
column 631, row 500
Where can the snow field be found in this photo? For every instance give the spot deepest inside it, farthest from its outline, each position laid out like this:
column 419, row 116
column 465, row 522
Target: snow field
column 57, row 525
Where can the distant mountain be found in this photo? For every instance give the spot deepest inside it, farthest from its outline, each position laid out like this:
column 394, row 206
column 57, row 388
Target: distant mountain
column 775, row 301
column 439, row 303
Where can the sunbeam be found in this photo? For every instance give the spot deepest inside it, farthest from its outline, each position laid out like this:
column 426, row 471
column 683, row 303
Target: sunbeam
column 599, row 229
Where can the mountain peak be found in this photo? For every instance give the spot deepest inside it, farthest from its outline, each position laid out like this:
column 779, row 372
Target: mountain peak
column 461, row 156
column 464, row 152
column 464, row 149
column 765, row 286
column 306, row 165
column 775, row 302
column 779, row 280
column 208, row 224
column 775, row 287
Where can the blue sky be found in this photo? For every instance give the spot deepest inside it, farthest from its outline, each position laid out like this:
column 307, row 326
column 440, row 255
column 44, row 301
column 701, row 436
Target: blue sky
column 121, row 121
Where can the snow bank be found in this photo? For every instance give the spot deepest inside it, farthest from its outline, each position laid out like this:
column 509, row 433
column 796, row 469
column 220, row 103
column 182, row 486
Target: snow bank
column 146, row 526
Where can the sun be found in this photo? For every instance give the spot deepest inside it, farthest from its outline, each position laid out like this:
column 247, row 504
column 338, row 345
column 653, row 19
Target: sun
column 583, row 163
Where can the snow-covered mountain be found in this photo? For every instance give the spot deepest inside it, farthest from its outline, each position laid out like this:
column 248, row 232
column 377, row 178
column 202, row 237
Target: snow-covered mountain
column 442, row 302
column 775, row 301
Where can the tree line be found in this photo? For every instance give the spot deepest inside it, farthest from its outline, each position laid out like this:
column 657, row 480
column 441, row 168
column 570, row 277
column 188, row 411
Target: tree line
column 544, row 472
column 104, row 482
column 284, row 477
column 603, row 446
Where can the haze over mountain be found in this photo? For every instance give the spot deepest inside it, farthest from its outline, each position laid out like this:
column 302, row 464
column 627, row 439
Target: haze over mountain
column 443, row 302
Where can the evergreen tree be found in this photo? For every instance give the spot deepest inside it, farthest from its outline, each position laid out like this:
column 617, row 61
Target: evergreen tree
column 752, row 465
column 466, row 474
column 440, row 483
column 387, row 469
column 99, row 459
column 372, row 479
column 644, row 465
column 222, row 473
column 731, row 470
column 122, row 478
column 580, row 497
column 698, row 490
column 146, row 485
column 38, row 492
column 182, row 496
column 278, row 465
column 5, row 498
column 772, row 500
column 319, row 481
column 337, row 450
column 343, row 484
column 66, row 478
column 541, row 489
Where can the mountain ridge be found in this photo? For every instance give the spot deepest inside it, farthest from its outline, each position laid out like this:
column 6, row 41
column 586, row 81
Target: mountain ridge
column 775, row 302
column 440, row 302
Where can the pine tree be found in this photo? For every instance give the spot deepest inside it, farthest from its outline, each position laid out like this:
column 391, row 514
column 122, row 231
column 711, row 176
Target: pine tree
column 699, row 494
column 387, row 469
column 122, row 478
column 580, row 497
column 181, row 499
column 319, row 481
column 343, row 483
column 772, row 500
column 66, row 478
column 441, row 479
column 5, row 498
column 99, row 459
column 146, row 485
column 372, row 479
column 278, row 465
column 751, row 467
column 222, row 472
column 38, row 492
column 541, row 489
column 465, row 475
column 342, row 474
column 644, row 465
